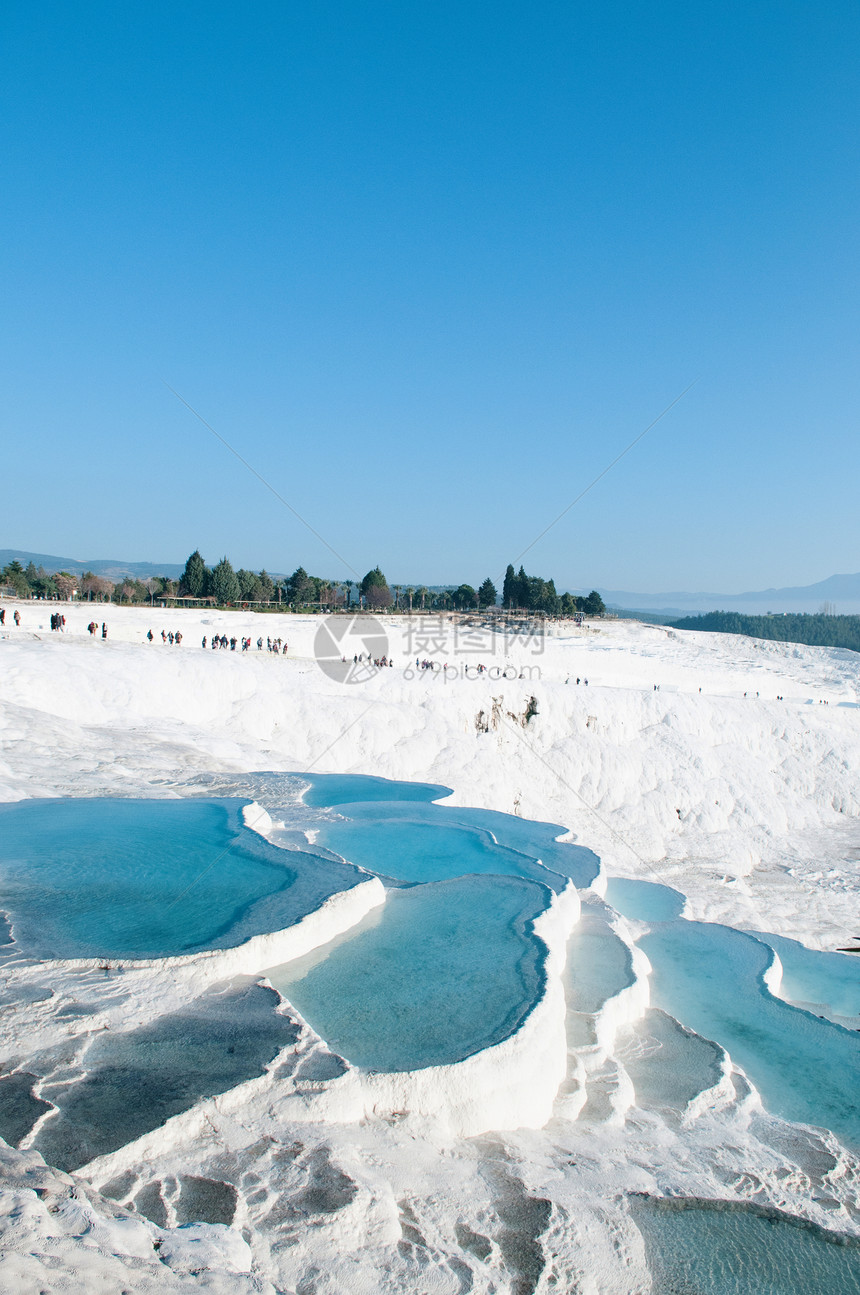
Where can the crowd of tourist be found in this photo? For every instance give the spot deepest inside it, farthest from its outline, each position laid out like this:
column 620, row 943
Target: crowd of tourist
column 378, row 662
column 221, row 641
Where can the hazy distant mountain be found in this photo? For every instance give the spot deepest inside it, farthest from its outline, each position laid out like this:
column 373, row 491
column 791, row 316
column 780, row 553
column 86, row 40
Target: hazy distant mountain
column 110, row 567
column 842, row 591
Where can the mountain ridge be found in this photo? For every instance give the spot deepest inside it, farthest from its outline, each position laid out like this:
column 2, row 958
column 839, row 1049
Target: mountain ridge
column 841, row 589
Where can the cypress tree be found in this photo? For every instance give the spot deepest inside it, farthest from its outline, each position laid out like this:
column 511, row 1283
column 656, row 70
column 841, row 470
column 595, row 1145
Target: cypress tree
column 194, row 577
column 509, row 588
column 522, row 597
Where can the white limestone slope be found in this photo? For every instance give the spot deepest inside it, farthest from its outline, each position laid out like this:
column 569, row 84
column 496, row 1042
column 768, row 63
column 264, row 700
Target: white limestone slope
column 357, row 1182
column 746, row 804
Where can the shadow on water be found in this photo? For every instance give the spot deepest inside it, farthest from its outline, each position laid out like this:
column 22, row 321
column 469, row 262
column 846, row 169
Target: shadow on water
column 137, row 1081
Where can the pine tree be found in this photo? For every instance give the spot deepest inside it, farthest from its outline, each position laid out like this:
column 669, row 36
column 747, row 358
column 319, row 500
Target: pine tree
column 225, row 586
column 487, row 593
column 14, row 574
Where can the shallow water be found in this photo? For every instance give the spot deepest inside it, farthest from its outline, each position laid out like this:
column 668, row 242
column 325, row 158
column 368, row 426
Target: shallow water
column 325, row 789
column 410, row 842
column 149, row 878
column 710, row 978
column 440, row 972
column 644, row 901
column 827, row 984
column 137, row 1080
column 450, row 965
column 718, row 1248
column 668, row 1065
column 415, row 851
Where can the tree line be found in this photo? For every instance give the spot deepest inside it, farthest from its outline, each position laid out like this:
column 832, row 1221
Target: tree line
column 520, row 592
column 35, row 582
column 817, row 629
column 533, row 593
column 226, row 586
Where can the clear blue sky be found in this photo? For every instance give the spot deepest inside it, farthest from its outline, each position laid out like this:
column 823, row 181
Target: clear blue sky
column 430, row 268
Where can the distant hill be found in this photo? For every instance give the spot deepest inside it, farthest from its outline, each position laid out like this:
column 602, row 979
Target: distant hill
column 816, row 630
column 112, row 568
column 843, row 591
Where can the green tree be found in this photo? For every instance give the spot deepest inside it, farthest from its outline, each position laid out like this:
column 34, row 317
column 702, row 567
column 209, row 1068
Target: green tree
column 249, row 585
column 195, row 577
column 15, row 575
column 299, row 587
column 375, row 589
column 225, row 586
column 465, row 597
column 523, row 589
column 267, row 586
column 130, row 591
column 40, row 582
column 593, row 605
column 542, row 595
column 567, row 605
column 509, row 588
column 373, row 580
column 487, row 593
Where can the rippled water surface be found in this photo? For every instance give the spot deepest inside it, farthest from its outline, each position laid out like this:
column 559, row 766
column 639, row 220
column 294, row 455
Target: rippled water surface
column 698, row 1248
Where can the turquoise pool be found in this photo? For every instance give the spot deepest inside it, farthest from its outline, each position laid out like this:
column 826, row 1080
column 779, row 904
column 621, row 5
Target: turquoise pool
column 113, row 878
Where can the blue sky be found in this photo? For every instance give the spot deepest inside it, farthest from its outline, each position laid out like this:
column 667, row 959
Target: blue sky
column 430, row 268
